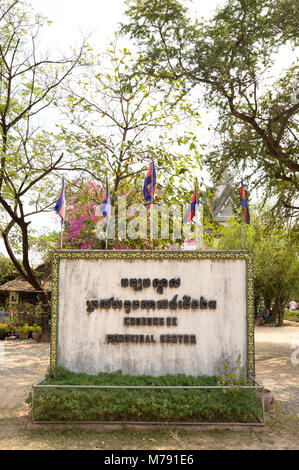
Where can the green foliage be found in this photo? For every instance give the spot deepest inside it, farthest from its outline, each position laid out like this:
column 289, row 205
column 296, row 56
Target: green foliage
column 230, row 56
column 240, row 149
column 119, row 118
column 232, row 375
column 29, row 155
column 7, row 270
column 276, row 264
column 141, row 405
column 85, row 227
column 34, row 328
column 7, row 273
column 3, row 329
column 66, row 377
column 292, row 315
column 24, row 329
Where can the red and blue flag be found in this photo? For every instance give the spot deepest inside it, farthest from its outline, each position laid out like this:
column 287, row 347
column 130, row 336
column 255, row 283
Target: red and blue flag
column 60, row 204
column 149, row 185
column 192, row 208
column 244, row 205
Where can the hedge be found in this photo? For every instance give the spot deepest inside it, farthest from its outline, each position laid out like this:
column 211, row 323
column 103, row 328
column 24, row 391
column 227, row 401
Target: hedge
column 203, row 405
column 292, row 315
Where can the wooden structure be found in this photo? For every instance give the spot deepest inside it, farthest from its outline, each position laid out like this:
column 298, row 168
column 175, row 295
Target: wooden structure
column 24, row 302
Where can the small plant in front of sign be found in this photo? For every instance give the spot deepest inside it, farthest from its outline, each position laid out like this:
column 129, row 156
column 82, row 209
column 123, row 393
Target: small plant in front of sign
column 232, row 375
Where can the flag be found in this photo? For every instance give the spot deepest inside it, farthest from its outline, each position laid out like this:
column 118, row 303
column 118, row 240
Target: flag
column 105, row 208
column 192, row 208
column 244, row 205
column 60, row 204
column 150, row 183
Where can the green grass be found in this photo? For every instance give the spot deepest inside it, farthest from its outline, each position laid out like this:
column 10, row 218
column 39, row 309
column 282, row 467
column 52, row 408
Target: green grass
column 292, row 315
column 214, row 405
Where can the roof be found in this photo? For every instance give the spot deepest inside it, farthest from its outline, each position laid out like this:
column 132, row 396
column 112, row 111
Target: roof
column 20, row 285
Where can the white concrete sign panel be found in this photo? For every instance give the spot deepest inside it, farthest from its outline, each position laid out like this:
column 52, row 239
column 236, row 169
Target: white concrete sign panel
column 156, row 315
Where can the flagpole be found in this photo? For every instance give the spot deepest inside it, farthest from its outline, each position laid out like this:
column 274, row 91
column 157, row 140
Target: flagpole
column 62, row 223
column 197, row 224
column 106, row 241
column 152, row 195
column 61, row 233
column 242, row 215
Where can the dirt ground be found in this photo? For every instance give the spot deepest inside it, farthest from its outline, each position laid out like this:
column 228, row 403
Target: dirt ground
column 277, row 363
column 23, row 363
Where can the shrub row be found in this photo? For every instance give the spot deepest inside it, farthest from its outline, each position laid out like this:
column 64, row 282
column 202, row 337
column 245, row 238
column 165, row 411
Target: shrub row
column 214, row 405
column 292, row 315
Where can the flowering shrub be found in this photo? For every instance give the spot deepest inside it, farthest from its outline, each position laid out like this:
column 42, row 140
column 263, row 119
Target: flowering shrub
column 3, row 329
column 232, row 375
column 82, row 218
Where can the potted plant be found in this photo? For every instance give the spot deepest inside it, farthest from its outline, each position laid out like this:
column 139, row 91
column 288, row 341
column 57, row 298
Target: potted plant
column 4, row 329
column 22, row 331
column 36, row 332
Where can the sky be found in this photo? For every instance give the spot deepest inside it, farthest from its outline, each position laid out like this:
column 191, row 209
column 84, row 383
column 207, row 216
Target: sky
column 73, row 19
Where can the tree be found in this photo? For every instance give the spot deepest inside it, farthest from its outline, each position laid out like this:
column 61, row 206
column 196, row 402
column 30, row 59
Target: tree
column 240, row 150
column 117, row 121
column 29, row 83
column 229, row 56
column 7, row 270
column 7, row 273
column 276, row 264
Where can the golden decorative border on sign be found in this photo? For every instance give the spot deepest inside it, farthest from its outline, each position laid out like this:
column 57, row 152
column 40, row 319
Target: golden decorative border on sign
column 155, row 255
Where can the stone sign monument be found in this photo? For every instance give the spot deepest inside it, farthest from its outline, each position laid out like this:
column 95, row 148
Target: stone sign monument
column 151, row 312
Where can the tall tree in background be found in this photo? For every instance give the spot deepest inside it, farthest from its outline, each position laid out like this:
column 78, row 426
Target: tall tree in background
column 7, row 269
column 230, row 56
column 29, row 82
column 276, row 264
column 118, row 119
column 7, row 273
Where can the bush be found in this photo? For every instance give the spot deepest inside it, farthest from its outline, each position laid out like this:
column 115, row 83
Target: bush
column 3, row 329
column 25, row 329
column 35, row 328
column 292, row 315
column 203, row 405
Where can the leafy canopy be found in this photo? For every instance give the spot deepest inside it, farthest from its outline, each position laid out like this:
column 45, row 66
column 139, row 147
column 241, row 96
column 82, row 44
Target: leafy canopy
column 230, row 57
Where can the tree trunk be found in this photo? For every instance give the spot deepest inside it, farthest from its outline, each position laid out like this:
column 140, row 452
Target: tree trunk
column 277, row 312
column 257, row 301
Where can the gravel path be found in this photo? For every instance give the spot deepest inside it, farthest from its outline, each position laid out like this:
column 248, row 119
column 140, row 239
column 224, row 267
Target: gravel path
column 277, row 363
column 25, row 362
column 22, row 363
